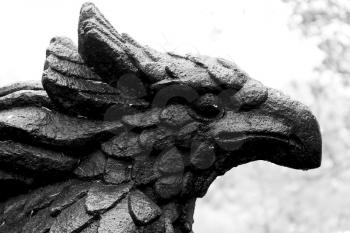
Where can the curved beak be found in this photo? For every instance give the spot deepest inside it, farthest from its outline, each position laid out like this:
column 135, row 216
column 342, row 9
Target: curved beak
column 280, row 130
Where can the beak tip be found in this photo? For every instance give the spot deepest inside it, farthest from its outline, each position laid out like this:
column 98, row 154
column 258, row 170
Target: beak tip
column 312, row 142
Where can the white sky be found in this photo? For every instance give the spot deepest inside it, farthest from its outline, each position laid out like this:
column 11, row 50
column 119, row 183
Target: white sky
column 253, row 33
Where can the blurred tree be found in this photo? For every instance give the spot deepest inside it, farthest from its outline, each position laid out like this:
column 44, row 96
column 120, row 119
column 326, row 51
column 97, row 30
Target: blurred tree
column 328, row 22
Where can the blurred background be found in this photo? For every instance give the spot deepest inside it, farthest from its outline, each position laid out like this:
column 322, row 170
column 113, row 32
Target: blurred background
column 299, row 46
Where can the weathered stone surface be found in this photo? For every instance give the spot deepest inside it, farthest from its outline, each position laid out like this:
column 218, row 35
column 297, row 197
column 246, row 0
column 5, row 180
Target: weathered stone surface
column 117, row 55
column 143, row 171
column 117, row 171
column 186, row 216
column 196, row 184
column 72, row 70
column 65, row 49
column 188, row 184
column 142, row 209
column 13, row 182
column 101, row 46
column 125, row 145
column 169, row 228
column 181, row 71
column 61, row 80
column 202, row 181
column 92, row 228
column 117, row 220
column 29, row 211
column 172, row 91
column 92, row 166
column 155, row 71
column 86, row 97
column 52, row 128
column 171, row 211
column 39, row 223
column 12, row 177
column 186, row 134
column 77, row 89
column 102, row 197
column 226, row 63
column 43, row 197
column 68, row 196
column 131, row 86
column 158, row 226
column 29, row 85
column 201, row 83
column 143, row 120
column 171, row 161
column 157, row 139
column 229, row 77
column 175, row 116
column 12, row 228
column 72, row 219
column 13, row 210
column 235, row 128
column 34, row 158
column 252, row 94
column 25, row 98
column 203, row 155
column 169, row 187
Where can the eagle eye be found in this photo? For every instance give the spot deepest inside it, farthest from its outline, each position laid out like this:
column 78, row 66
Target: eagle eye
column 208, row 106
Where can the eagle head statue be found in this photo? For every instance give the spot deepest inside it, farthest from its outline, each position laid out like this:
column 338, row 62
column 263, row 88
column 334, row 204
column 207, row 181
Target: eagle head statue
column 121, row 138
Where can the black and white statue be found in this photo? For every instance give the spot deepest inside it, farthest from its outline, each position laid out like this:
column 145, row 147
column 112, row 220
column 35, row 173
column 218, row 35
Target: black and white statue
column 119, row 138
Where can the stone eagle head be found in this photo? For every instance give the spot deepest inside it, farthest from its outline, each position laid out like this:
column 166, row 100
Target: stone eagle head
column 122, row 138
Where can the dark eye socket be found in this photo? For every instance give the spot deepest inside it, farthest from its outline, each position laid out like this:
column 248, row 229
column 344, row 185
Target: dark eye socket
column 208, row 106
